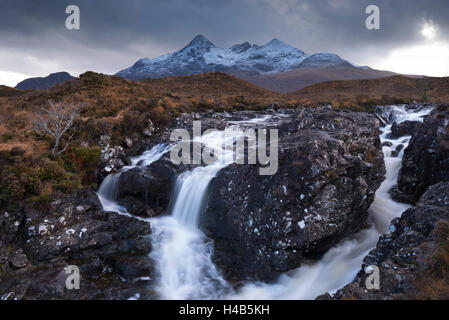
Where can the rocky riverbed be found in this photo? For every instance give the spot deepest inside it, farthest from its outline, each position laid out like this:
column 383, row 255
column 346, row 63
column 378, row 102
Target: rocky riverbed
column 330, row 166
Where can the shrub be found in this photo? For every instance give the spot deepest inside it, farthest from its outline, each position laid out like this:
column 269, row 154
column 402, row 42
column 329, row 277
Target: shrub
column 18, row 182
column 84, row 158
column 51, row 170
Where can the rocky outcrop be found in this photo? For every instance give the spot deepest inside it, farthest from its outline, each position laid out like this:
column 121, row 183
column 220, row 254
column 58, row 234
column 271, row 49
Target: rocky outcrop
column 111, row 252
column 112, row 158
column 146, row 191
column 411, row 257
column 426, row 159
column 330, row 165
column 406, row 128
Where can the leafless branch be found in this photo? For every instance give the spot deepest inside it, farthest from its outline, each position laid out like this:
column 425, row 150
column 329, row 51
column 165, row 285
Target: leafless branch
column 56, row 120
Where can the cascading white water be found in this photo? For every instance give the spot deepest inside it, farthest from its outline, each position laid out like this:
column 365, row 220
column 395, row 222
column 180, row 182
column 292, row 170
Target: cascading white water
column 108, row 191
column 341, row 264
column 183, row 255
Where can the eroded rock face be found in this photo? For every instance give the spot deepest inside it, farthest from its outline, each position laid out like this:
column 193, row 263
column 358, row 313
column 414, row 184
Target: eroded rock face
column 146, row 191
column 406, row 252
column 330, row 165
column 406, row 128
column 426, row 159
column 110, row 250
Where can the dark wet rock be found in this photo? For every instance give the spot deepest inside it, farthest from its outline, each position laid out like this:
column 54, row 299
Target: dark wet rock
column 330, row 165
column 405, row 254
column 19, row 260
column 150, row 186
column 387, row 144
column 76, row 231
column 436, row 196
column 394, row 154
column 406, row 128
column 426, row 159
column 10, row 225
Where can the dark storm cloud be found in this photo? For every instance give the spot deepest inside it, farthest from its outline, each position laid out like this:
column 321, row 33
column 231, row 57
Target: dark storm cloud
column 114, row 32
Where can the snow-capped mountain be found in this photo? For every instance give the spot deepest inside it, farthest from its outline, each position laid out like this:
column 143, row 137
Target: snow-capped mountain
column 201, row 55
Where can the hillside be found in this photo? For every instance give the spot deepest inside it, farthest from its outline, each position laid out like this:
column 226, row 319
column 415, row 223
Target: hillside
column 395, row 89
column 297, row 79
column 118, row 107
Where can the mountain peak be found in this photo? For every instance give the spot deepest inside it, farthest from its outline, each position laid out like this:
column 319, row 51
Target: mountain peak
column 201, row 56
column 200, row 41
column 276, row 42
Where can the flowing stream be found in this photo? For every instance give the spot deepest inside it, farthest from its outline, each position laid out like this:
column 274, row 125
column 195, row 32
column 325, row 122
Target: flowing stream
column 183, row 255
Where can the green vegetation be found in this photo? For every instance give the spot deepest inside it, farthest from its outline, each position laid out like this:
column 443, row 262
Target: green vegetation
column 34, row 179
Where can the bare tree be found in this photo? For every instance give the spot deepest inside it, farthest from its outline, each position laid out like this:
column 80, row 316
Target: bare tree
column 56, row 120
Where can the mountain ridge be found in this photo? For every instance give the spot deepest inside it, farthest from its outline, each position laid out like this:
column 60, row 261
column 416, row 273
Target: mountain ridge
column 259, row 64
column 201, row 55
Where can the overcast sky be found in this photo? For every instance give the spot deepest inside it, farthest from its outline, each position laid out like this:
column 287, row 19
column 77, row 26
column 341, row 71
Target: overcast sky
column 414, row 35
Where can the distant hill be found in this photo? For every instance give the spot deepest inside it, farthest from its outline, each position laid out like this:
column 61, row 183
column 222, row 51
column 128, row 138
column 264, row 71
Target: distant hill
column 294, row 80
column 45, row 82
column 274, row 66
column 395, row 89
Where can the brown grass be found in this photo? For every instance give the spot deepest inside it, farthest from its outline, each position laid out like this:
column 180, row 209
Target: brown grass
column 433, row 284
column 363, row 93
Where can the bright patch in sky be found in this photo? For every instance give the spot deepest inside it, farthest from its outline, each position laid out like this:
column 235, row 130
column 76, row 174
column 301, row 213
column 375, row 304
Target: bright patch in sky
column 11, row 79
column 429, row 30
column 429, row 57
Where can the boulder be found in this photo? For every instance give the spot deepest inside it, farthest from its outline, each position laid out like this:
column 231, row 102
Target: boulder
column 111, row 250
column 407, row 257
column 426, row 159
column 150, row 186
column 406, row 128
column 19, row 260
column 330, row 166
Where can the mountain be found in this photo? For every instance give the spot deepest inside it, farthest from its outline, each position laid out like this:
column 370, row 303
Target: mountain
column 45, row 82
column 201, row 56
column 274, row 66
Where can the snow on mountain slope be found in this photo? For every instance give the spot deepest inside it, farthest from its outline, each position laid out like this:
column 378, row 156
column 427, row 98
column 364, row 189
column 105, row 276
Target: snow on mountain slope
column 201, row 55
column 322, row 60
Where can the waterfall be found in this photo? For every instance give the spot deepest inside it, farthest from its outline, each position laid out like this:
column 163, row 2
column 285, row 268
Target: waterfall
column 108, row 191
column 183, row 254
column 340, row 264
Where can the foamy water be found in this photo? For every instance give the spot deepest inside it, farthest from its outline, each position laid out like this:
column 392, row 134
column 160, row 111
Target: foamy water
column 183, row 255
